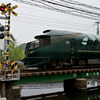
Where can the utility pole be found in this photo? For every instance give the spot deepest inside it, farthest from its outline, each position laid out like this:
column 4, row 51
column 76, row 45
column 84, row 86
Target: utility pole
column 97, row 27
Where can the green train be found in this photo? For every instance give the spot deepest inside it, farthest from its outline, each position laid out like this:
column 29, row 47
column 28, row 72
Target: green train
column 60, row 49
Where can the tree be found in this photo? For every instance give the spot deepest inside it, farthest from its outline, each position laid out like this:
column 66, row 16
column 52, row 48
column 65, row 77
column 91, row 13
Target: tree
column 15, row 52
column 1, row 56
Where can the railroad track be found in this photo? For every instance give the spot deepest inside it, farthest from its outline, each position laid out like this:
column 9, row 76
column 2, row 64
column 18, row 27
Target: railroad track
column 56, row 71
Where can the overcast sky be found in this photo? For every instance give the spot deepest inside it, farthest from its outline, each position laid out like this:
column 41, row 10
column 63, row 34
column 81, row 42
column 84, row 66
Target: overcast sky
column 32, row 21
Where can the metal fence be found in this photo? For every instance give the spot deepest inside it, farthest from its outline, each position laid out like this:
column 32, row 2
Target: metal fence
column 10, row 75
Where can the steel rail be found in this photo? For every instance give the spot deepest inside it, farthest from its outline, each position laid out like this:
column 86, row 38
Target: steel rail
column 58, row 71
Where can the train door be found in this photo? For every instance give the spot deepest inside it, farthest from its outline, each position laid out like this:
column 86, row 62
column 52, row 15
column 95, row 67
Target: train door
column 73, row 48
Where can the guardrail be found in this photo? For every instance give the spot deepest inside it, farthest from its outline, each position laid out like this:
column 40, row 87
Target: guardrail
column 9, row 76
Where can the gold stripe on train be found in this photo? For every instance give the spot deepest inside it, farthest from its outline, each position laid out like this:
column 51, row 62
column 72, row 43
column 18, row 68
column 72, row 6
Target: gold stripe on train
column 87, row 51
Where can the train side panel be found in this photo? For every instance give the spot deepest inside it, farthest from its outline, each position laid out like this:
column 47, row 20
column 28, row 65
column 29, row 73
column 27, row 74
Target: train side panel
column 58, row 50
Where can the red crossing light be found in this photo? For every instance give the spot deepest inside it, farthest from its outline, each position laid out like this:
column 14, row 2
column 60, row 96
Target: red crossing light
column 2, row 8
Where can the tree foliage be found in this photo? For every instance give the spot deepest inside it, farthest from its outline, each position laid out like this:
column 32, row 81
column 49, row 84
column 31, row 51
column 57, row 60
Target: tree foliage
column 1, row 57
column 15, row 52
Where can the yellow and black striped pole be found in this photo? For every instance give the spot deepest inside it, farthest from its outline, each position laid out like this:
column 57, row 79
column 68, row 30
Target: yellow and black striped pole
column 8, row 32
column 8, row 10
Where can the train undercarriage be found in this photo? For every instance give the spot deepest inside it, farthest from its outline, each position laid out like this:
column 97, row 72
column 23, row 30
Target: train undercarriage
column 68, row 63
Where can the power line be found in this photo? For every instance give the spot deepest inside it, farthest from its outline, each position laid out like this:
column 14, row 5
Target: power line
column 70, row 7
column 60, row 10
column 53, row 21
column 80, row 4
column 46, row 24
column 85, row 10
column 39, row 24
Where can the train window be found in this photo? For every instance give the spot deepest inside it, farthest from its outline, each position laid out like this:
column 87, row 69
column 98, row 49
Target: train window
column 98, row 38
column 34, row 44
column 92, row 38
column 44, row 42
column 85, row 41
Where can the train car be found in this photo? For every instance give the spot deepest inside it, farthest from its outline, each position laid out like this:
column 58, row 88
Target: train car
column 58, row 49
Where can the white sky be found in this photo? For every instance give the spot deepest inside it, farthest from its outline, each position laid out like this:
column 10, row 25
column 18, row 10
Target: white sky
column 27, row 24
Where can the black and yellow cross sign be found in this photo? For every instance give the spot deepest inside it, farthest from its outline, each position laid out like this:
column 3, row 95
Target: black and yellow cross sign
column 8, row 9
column 11, row 10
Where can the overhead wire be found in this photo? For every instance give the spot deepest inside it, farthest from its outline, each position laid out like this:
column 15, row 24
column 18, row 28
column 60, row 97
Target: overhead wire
column 57, row 21
column 53, row 24
column 43, row 25
column 58, row 10
column 70, row 7
column 52, row 21
column 43, row 3
column 76, row 11
column 80, row 4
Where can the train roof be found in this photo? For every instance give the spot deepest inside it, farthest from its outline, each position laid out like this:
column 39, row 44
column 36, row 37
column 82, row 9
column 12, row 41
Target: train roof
column 57, row 32
column 48, row 33
column 57, row 35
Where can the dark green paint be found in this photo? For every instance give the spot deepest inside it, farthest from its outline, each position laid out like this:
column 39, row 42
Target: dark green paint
column 67, row 45
column 55, row 77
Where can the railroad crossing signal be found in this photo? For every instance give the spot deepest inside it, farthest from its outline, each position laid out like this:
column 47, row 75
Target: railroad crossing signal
column 11, row 10
column 7, row 9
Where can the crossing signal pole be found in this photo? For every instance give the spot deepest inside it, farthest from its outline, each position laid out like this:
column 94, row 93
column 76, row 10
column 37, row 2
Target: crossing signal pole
column 8, row 31
column 8, row 9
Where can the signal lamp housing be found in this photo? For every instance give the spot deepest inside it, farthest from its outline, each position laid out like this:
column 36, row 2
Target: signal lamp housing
column 2, row 28
column 1, row 36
